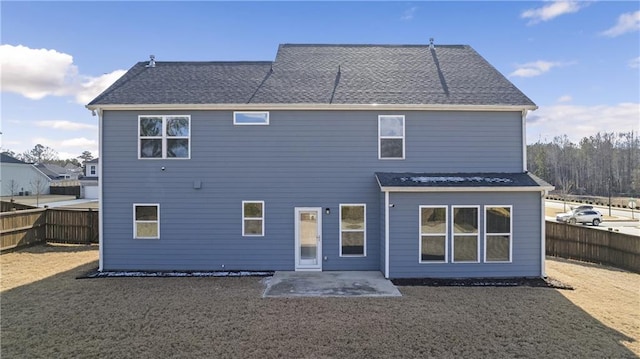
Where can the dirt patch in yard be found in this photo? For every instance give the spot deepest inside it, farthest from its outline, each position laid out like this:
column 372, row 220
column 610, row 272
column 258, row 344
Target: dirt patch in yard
column 60, row 316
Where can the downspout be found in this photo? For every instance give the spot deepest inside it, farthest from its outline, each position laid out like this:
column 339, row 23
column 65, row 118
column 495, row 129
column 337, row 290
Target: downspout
column 100, row 196
column 524, row 141
column 543, row 234
column 386, row 234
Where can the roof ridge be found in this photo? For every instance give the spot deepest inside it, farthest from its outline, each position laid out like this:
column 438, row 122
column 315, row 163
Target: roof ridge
column 373, row 45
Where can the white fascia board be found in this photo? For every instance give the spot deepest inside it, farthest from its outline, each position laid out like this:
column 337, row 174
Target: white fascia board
column 466, row 189
column 309, row 106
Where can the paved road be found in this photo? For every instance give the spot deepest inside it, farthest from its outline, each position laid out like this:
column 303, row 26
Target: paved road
column 623, row 221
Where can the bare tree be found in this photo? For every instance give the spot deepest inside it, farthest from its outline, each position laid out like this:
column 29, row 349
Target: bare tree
column 38, row 187
column 40, row 154
column 13, row 187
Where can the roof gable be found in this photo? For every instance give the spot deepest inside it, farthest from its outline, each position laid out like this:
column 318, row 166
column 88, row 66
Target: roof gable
column 4, row 158
column 325, row 74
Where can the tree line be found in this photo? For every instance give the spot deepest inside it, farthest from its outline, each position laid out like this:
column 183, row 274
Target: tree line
column 600, row 165
column 45, row 154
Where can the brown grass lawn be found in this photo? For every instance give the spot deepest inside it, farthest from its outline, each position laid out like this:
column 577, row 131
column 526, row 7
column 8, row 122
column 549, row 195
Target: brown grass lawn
column 47, row 313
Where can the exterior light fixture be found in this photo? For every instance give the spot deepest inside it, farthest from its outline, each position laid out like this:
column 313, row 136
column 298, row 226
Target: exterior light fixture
column 327, row 210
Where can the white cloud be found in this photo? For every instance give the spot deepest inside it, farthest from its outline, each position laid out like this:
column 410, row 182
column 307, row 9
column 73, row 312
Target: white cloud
column 536, row 68
column 409, row 13
column 578, row 122
column 565, row 98
column 634, row 63
column 66, row 125
column 551, row 11
column 78, row 142
column 37, row 73
column 627, row 22
column 93, row 86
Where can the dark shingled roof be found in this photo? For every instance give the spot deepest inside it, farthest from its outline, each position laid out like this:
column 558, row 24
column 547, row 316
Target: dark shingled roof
column 386, row 179
column 5, row 158
column 324, row 74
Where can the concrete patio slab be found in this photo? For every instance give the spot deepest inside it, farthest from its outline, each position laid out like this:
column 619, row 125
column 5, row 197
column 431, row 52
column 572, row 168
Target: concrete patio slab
column 329, row 284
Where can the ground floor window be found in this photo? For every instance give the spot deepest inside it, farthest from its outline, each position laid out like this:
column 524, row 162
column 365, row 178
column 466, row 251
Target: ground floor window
column 465, row 233
column 433, row 234
column 253, row 218
column 353, row 229
column 146, row 221
column 465, row 240
column 497, row 233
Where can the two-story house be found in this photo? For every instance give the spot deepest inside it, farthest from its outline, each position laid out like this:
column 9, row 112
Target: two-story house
column 89, row 182
column 408, row 159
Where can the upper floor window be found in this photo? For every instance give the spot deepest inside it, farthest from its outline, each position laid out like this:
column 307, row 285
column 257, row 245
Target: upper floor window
column 353, row 228
column 391, row 137
column 164, row 136
column 251, row 118
column 92, row 169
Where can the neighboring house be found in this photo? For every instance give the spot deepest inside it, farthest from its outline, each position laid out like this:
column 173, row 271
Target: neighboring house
column 57, row 173
column 73, row 171
column 18, row 178
column 89, row 182
column 407, row 159
column 91, row 168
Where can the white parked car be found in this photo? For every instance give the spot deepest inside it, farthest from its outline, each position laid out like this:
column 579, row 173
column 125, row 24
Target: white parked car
column 587, row 216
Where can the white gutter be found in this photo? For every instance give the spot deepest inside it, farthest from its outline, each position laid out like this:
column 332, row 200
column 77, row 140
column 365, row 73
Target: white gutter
column 100, row 196
column 386, row 234
column 466, row 189
column 308, row 106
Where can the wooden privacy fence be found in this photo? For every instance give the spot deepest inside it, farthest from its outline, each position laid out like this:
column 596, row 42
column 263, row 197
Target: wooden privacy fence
column 592, row 245
column 22, row 228
column 26, row 227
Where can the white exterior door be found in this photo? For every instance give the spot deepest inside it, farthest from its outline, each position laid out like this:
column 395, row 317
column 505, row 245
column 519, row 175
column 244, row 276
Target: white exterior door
column 308, row 227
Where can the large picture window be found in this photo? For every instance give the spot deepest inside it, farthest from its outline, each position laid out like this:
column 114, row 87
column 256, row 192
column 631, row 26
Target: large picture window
column 146, row 221
column 353, row 229
column 164, row 136
column 253, row 218
column 498, row 233
column 465, row 234
column 433, row 234
column 391, row 137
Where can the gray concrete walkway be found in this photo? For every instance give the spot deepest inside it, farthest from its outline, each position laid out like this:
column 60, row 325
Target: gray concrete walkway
column 329, row 284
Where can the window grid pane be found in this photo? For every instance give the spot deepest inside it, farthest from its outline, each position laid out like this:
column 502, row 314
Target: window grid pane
column 146, row 223
column 433, row 234
column 164, row 136
column 391, row 137
column 252, row 218
column 466, row 234
column 498, row 234
column 352, row 230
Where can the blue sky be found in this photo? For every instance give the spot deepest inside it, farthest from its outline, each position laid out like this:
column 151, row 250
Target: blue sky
column 578, row 61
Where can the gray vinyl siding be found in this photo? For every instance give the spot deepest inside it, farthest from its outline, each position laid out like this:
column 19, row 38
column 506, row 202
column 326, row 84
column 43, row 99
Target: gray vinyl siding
column 301, row 159
column 404, row 235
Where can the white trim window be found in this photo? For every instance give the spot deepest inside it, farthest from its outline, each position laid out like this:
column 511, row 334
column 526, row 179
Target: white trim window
column 434, row 233
column 391, row 137
column 248, row 118
column 498, row 233
column 252, row 218
column 146, row 220
column 353, row 230
column 466, row 235
column 164, row 137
